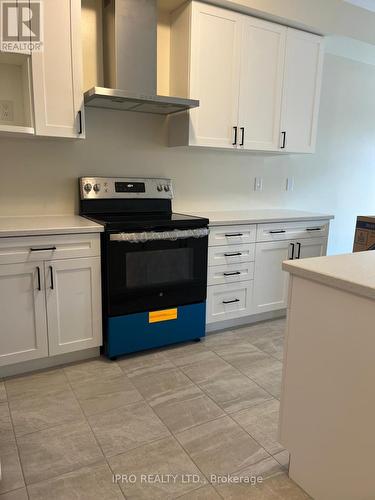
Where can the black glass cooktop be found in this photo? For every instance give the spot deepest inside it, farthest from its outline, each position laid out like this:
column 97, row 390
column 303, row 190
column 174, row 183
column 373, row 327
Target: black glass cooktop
column 146, row 221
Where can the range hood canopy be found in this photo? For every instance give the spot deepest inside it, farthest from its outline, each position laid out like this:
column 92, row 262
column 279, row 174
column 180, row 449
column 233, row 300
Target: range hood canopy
column 130, row 61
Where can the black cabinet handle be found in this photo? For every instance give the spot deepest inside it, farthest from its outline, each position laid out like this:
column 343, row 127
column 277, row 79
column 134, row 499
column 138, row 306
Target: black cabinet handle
column 292, row 257
column 80, row 126
column 278, row 231
column 51, row 274
column 45, row 249
column 242, row 136
column 233, row 234
column 232, row 254
column 232, row 274
column 38, row 273
column 230, row 301
column 283, row 144
column 235, row 136
column 298, row 251
column 313, row 229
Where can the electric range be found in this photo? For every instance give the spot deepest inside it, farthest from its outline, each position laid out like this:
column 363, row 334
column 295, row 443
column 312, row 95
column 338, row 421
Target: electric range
column 154, row 263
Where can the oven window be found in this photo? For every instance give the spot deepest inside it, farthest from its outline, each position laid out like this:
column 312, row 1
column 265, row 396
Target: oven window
column 159, row 267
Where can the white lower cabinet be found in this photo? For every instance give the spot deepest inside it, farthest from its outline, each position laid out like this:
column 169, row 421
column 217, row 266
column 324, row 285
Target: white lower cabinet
column 49, row 307
column 247, row 279
column 73, row 304
column 22, row 311
column 270, row 281
column 229, row 301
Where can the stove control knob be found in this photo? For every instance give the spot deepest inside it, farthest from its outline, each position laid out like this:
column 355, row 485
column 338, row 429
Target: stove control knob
column 159, row 187
column 167, row 188
column 87, row 187
column 96, row 188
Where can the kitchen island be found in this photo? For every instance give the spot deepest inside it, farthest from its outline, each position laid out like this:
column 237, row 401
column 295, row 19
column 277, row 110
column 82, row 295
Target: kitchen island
column 328, row 398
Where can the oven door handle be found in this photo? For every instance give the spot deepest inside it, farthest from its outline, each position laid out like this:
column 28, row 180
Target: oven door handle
column 176, row 234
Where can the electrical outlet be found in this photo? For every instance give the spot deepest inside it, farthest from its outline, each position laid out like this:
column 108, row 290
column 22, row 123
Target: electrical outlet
column 289, row 184
column 258, row 184
column 6, row 111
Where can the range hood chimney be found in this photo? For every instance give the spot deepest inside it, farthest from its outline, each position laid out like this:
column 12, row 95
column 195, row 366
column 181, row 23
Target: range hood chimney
column 130, row 61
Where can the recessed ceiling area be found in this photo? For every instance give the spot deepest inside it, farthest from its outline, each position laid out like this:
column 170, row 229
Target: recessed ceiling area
column 363, row 4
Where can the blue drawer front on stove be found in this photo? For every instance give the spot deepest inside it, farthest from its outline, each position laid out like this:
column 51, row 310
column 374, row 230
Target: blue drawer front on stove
column 134, row 332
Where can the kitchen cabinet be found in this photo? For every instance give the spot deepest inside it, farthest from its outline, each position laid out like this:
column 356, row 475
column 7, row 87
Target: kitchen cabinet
column 301, row 92
column 57, row 72
column 73, row 304
column 258, row 82
column 48, row 305
column 43, row 89
column 22, row 312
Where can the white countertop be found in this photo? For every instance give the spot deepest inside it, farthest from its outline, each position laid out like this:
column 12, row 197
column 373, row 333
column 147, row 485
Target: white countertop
column 353, row 272
column 46, row 224
column 258, row 216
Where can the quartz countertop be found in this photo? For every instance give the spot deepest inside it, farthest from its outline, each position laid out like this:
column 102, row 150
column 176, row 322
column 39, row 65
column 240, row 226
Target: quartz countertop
column 258, row 216
column 353, row 272
column 46, row 224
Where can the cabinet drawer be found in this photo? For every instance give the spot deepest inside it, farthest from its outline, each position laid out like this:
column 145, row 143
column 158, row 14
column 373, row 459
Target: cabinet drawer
column 229, row 301
column 230, row 273
column 232, row 235
column 230, row 254
column 292, row 230
column 39, row 248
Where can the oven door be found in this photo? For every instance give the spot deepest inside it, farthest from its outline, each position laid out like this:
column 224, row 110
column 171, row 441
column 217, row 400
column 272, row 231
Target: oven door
column 155, row 270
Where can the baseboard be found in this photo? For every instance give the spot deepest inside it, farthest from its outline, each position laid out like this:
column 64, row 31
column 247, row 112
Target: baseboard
column 50, row 362
column 245, row 320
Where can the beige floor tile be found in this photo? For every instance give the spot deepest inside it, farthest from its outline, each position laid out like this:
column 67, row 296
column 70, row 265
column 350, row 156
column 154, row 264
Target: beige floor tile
column 12, row 477
column 166, row 387
column 236, row 352
column 266, row 371
column 283, row 458
column 145, row 363
column 229, row 388
column 6, row 427
column 3, row 394
column 162, row 457
column 220, row 339
column 126, row 428
column 183, row 414
column 105, row 394
column 264, row 469
column 38, row 384
column 95, row 482
column 203, row 493
column 20, row 494
column 188, row 354
column 91, row 370
column 38, row 413
column 221, row 446
column 261, row 422
column 278, row 487
column 273, row 344
column 52, row 452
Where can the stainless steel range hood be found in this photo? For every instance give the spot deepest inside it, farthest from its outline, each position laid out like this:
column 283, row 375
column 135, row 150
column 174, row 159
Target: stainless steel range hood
column 129, row 51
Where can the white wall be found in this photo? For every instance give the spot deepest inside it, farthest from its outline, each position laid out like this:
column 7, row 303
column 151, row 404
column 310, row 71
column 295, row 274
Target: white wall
column 39, row 176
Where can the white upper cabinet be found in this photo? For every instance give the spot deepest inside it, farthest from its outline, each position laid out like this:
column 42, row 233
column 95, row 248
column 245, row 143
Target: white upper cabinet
column 301, row 93
column 258, row 82
column 57, row 72
column 262, row 61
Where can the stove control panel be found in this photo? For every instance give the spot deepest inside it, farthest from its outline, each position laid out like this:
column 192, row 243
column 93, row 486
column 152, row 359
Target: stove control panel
column 93, row 188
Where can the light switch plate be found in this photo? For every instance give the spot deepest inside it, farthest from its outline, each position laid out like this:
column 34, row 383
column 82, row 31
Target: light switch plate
column 289, row 184
column 258, row 184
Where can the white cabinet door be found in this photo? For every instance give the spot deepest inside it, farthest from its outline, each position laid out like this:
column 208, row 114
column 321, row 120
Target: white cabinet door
column 301, row 95
column 57, row 72
column 22, row 313
column 314, row 247
column 262, row 64
column 270, row 281
column 214, row 75
column 73, row 297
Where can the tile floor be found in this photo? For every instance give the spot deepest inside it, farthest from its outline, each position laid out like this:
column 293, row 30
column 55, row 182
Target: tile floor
column 193, row 411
